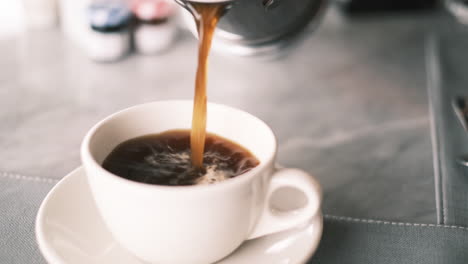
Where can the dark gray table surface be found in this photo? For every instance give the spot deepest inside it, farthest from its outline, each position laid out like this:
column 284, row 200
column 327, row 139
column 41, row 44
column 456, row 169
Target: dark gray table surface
column 348, row 105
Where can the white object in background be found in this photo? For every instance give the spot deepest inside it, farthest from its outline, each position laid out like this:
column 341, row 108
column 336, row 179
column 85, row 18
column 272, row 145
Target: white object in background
column 154, row 38
column 79, row 235
column 40, row 14
column 109, row 39
column 11, row 18
column 74, row 20
column 107, row 47
column 156, row 27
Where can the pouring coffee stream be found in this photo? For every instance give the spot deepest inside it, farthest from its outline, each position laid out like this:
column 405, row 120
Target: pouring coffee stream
column 206, row 15
column 254, row 26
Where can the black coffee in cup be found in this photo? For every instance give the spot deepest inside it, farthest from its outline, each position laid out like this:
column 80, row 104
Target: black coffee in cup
column 165, row 159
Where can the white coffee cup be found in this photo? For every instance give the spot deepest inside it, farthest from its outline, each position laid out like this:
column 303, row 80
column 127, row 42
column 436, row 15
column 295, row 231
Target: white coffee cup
column 198, row 223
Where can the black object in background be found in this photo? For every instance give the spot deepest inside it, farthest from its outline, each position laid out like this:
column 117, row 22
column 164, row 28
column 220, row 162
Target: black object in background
column 371, row 6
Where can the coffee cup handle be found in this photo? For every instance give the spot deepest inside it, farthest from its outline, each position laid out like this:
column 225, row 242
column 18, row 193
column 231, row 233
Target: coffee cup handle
column 271, row 220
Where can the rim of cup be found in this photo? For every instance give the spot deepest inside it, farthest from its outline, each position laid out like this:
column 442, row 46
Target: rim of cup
column 88, row 158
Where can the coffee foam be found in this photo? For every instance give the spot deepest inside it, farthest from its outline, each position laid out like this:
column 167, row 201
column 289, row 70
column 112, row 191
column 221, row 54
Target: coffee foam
column 165, row 159
column 165, row 163
column 212, row 175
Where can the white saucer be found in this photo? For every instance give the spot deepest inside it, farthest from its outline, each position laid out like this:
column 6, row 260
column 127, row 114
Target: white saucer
column 69, row 230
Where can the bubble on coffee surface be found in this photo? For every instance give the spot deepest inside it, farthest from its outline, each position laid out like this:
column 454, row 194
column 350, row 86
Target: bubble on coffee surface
column 165, row 159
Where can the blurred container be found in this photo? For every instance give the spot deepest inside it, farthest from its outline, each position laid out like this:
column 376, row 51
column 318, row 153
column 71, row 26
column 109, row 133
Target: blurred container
column 109, row 39
column 74, row 21
column 156, row 27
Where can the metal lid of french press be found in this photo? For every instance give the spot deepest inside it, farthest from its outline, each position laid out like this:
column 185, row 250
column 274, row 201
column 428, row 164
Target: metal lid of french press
column 253, row 27
column 262, row 26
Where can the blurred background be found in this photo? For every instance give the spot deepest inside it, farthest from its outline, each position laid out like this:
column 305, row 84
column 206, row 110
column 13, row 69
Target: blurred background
column 343, row 84
column 251, row 23
column 360, row 93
